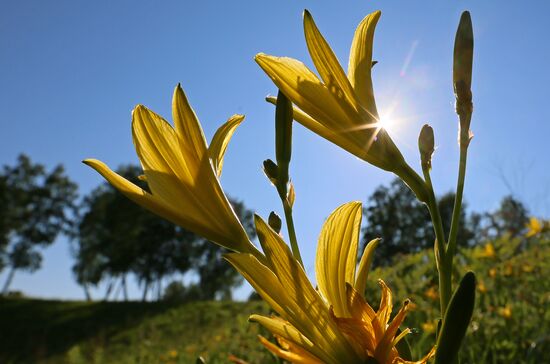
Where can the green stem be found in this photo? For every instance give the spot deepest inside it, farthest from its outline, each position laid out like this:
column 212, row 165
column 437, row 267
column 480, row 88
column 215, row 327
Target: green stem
column 445, row 287
column 451, row 247
column 291, row 231
column 414, row 181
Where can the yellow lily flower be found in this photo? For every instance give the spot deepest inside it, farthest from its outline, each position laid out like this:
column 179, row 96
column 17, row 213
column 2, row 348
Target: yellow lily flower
column 340, row 107
column 313, row 326
column 182, row 174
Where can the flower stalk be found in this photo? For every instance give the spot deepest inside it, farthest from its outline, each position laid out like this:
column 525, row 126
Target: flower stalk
column 283, row 153
column 462, row 82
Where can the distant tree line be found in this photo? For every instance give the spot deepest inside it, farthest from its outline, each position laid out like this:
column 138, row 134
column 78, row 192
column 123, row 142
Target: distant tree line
column 394, row 214
column 113, row 238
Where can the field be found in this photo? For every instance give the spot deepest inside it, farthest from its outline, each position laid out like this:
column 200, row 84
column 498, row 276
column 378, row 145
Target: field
column 511, row 323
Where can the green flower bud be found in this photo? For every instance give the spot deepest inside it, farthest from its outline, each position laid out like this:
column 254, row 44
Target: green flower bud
column 283, row 135
column 426, row 146
column 271, row 170
column 275, row 222
column 462, row 66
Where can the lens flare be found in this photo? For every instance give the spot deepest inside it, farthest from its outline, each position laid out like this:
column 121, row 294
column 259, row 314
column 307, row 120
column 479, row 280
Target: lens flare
column 385, row 123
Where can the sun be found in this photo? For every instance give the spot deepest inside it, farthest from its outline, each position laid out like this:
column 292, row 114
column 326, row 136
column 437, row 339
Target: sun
column 385, row 123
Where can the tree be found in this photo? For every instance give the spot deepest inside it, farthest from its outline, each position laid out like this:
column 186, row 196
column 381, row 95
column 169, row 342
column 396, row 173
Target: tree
column 37, row 205
column 116, row 237
column 394, row 214
column 509, row 219
column 216, row 277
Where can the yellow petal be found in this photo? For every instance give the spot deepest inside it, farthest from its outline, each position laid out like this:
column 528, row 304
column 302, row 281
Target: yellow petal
column 360, row 332
column 301, row 357
column 360, row 62
column 170, row 212
column 372, row 145
column 263, row 280
column 159, row 148
column 305, row 90
column 188, row 185
column 364, row 266
column 385, row 345
column 187, row 124
column 386, row 304
column 135, row 193
column 337, row 255
column 340, row 139
column 305, row 355
column 282, row 299
column 326, row 63
column 282, row 328
column 424, row 360
column 317, row 324
column 360, row 309
column 220, row 140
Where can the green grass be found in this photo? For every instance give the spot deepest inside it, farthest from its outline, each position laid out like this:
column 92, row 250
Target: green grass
column 37, row 331
column 510, row 324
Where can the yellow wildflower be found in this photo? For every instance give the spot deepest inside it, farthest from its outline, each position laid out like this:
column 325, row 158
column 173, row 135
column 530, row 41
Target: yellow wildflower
column 428, row 327
column 431, row 293
column 508, row 269
column 527, row 268
column 182, row 174
column 489, row 251
column 481, row 287
column 173, row 354
column 492, row 272
column 340, row 107
column 333, row 324
column 505, row 312
column 534, row 227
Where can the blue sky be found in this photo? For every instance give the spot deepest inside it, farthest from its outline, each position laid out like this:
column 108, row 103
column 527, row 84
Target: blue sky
column 71, row 72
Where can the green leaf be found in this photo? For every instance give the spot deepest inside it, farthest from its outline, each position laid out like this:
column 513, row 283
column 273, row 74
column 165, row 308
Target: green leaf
column 456, row 321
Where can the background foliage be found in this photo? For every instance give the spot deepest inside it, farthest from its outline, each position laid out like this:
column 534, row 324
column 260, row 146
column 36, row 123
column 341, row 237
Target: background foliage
column 509, row 326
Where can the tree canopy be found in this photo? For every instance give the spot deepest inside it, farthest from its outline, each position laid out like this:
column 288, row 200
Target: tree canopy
column 394, row 214
column 37, row 205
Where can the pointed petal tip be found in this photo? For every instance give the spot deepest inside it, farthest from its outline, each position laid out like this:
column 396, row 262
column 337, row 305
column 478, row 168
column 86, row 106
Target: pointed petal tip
column 259, row 56
column 237, row 117
column 91, row 162
column 138, row 109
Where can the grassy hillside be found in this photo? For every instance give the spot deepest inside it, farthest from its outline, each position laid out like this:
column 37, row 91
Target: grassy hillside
column 511, row 323
column 36, row 331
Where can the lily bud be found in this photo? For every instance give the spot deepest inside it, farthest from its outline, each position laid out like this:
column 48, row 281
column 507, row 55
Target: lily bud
column 283, row 135
column 275, row 222
column 271, row 170
column 462, row 67
column 426, row 146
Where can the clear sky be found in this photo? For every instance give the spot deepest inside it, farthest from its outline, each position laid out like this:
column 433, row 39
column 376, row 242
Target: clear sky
column 71, row 72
